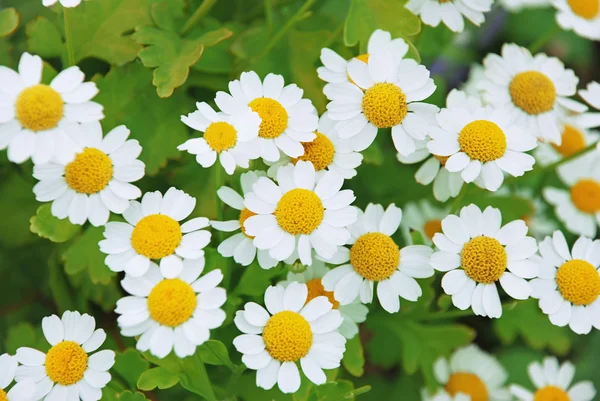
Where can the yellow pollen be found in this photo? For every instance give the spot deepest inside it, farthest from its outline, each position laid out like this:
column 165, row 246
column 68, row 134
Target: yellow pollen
column 363, row 57
column 483, row 259
column 172, row 302
column 432, row 227
column 39, row 107
column 442, row 159
column 533, row 92
column 551, row 393
column 572, row 141
column 316, row 289
column 467, row 383
column 220, row 136
column 66, row 363
column 245, row 214
column 90, row 172
column 3, row 396
column 375, row 256
column 287, row 336
column 156, row 236
column 482, row 140
column 273, row 114
column 578, row 282
column 384, row 105
column 299, row 211
column 587, row 9
column 585, row 195
column 319, row 152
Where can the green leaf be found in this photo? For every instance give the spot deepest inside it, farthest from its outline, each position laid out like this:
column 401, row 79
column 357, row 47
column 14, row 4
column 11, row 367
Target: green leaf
column 61, row 290
column 47, row 226
column 9, row 21
column 24, row 335
column 84, row 255
column 354, row 357
column 254, row 280
column 17, row 204
column 129, row 396
column 194, row 377
column 130, row 365
column 161, row 378
column 44, row 38
column 214, row 352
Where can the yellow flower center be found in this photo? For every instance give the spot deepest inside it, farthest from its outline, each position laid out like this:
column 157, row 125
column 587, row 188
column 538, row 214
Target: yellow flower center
column 482, row 140
column 363, row 57
column 375, row 256
column 273, row 114
column 220, row 136
column 299, row 211
column 384, row 105
column 483, row 259
column 587, row 9
column 467, row 383
column 3, row 396
column 316, row 289
column 551, row 393
column 39, row 107
column 172, row 302
column 432, row 227
column 66, row 363
column 287, row 336
column 585, row 195
column 572, row 141
column 578, row 282
column 156, row 236
column 442, row 159
column 319, row 152
column 533, row 92
column 90, row 172
column 245, row 214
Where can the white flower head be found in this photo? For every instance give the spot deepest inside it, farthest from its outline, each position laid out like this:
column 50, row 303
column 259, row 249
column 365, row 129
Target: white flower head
column 22, row 391
column 574, row 138
column 425, row 217
column 64, row 3
column 592, row 97
column 581, row 16
column 450, row 12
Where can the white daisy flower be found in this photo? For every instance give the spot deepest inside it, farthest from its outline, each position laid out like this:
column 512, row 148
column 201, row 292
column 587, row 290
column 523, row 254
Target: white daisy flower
column 581, row 16
column 33, row 115
column 95, row 179
column 22, row 391
column 574, row 138
column 153, row 232
column 450, row 12
column 374, row 257
column 533, row 89
column 592, row 96
column 171, row 313
column 230, row 137
column 484, row 251
column 241, row 245
column 300, row 213
column 568, row 283
column 64, row 3
column 424, row 217
column 286, row 118
column 553, row 383
column 518, row 5
column 472, row 85
column 327, row 152
column 66, row 372
column 387, row 94
column 289, row 331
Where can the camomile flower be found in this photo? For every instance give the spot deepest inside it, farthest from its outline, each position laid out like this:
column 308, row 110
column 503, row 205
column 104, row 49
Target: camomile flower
column 581, row 16
column 327, row 152
column 153, row 231
column 450, row 12
column 241, row 245
column 299, row 213
column 230, row 137
column 592, row 97
column 518, row 5
column 476, row 252
column 64, row 3
column 33, row 116
column 574, row 138
column 171, row 314
column 568, row 282
column 22, row 391
column 289, row 331
column 534, row 90
column 67, row 372
column 374, row 257
column 386, row 94
column 552, row 382
column 286, row 118
column 423, row 217
column 95, row 179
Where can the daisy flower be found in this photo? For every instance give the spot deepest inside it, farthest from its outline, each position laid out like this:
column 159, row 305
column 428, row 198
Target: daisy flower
column 553, row 382
column 423, row 217
column 290, row 330
column 64, row 3
column 327, row 152
column 95, row 179
column 153, row 232
column 33, row 115
column 66, row 372
column 592, row 96
column 581, row 16
column 286, row 118
column 300, row 213
column 476, row 253
column 374, row 257
column 533, row 89
column 387, row 94
column 574, row 138
column 171, row 313
column 241, row 245
column 22, row 391
column 450, row 12
column 231, row 137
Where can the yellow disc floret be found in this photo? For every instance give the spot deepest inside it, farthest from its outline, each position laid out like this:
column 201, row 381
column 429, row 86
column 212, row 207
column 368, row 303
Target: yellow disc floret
column 273, row 114
column 287, row 336
column 587, row 9
column 90, row 172
column 172, row 302
column 156, row 236
column 551, row 393
column 245, row 214
column 484, row 259
column 533, row 92
column 442, row 159
column 467, row 383
column 585, row 195
column 39, row 107
column 316, row 289
column 3, row 396
column 363, row 57
column 384, row 105
column 299, row 211
column 66, row 363
column 572, row 141
column 578, row 282
column 319, row 152
column 375, row 256
column 482, row 140
column 220, row 136
column 432, row 227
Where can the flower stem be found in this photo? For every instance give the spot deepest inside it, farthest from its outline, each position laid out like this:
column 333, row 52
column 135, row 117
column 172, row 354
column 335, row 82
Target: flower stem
column 200, row 12
column 269, row 16
column 68, row 40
